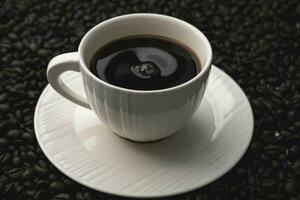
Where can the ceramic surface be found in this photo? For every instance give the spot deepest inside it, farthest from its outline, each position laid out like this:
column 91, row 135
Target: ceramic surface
column 83, row 148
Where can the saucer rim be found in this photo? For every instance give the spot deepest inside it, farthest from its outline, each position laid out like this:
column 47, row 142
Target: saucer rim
column 167, row 194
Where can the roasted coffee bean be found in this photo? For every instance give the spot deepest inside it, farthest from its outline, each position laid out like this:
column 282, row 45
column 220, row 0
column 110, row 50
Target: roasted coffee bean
column 294, row 152
column 52, row 177
column 28, row 184
column 285, row 133
column 28, row 137
column 3, row 142
column 31, row 44
column 4, row 158
column 79, row 196
column 282, row 157
column 14, row 134
column 87, row 195
column 30, row 193
column 291, row 115
column 13, row 122
column 23, row 148
column 268, row 183
column 3, row 97
column 9, row 189
column 242, row 172
column 11, row 148
column 43, row 52
column 29, row 156
column 4, row 108
column 57, row 186
column 41, row 170
column 43, row 163
column 297, row 124
column 265, row 172
column 14, row 173
column 19, row 188
column 293, row 139
column 28, row 174
column 275, row 163
column 41, row 194
column 256, row 146
column 62, row 196
column 273, row 150
column 69, row 183
column 16, row 161
column 296, row 167
column 291, row 186
column 41, row 183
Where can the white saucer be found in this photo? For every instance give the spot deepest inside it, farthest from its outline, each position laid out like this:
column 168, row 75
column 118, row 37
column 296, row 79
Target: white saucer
column 80, row 146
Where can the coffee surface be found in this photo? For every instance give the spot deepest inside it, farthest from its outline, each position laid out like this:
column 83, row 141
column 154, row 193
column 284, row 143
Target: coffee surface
column 144, row 63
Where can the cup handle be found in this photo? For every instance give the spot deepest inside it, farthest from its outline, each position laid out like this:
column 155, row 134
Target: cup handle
column 60, row 64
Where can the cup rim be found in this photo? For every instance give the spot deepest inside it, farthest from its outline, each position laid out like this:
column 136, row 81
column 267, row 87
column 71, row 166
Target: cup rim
column 204, row 68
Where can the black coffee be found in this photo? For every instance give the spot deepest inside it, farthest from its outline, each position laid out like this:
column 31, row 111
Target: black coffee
column 144, row 63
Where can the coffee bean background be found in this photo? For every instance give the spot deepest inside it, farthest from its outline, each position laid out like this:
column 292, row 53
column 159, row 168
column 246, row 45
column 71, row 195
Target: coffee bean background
column 255, row 42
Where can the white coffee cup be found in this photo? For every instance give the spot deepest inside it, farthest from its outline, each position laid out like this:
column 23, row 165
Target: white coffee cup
column 136, row 114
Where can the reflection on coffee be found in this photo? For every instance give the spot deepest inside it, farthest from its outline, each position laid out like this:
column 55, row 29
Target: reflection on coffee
column 144, row 63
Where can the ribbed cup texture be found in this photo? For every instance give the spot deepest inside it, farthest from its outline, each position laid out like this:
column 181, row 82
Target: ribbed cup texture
column 145, row 116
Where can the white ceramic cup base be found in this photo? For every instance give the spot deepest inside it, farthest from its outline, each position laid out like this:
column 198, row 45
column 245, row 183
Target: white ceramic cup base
column 80, row 146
